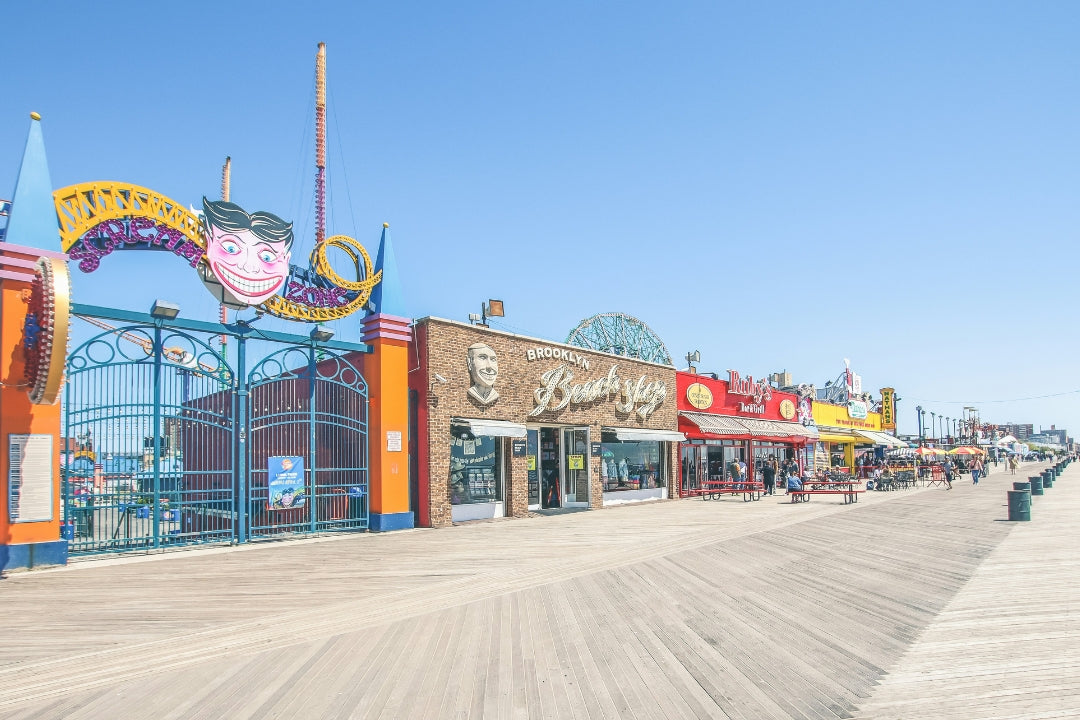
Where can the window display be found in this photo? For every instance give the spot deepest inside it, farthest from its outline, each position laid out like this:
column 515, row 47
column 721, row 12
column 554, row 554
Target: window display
column 475, row 468
column 631, row 465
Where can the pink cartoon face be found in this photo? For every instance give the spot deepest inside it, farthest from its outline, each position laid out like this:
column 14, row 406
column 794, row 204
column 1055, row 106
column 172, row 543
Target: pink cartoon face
column 250, row 268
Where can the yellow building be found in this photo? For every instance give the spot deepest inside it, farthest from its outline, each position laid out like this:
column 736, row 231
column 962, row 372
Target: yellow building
column 843, row 428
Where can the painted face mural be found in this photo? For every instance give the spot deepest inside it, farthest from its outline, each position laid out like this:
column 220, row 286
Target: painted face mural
column 248, row 253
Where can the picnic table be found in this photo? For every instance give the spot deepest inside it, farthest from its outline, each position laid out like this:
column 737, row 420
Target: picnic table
column 849, row 489
column 749, row 489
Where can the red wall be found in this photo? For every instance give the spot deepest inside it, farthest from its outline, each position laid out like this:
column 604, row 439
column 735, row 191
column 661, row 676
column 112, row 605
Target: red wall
column 728, row 404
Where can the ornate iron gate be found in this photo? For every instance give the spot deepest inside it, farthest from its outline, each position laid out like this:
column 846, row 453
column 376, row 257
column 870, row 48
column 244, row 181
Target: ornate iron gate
column 166, row 444
column 148, row 423
column 310, row 404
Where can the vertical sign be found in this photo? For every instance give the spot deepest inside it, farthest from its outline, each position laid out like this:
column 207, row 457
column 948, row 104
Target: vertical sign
column 30, row 478
column 888, row 409
column 286, row 487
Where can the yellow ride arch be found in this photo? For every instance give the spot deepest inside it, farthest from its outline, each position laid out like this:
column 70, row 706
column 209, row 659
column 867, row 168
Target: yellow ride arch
column 81, row 207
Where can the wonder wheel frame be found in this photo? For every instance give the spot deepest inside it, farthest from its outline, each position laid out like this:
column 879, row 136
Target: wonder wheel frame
column 620, row 334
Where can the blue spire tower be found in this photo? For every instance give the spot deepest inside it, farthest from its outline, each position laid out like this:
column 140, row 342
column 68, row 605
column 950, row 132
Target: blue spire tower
column 32, row 232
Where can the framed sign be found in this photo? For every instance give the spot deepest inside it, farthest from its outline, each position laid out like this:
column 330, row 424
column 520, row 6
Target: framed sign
column 30, row 478
column 596, row 450
column 575, row 462
column 518, row 446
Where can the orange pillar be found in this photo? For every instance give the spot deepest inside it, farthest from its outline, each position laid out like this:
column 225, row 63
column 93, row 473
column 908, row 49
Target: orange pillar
column 29, row 521
column 386, row 370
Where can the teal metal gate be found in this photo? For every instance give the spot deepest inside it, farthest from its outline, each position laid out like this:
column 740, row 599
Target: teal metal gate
column 312, row 405
column 167, row 444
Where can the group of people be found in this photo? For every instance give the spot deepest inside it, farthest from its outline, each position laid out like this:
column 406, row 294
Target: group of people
column 976, row 465
column 787, row 471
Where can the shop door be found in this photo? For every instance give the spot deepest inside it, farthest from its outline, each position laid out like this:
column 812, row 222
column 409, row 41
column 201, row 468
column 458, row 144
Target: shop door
column 550, row 462
column 695, row 467
column 576, row 451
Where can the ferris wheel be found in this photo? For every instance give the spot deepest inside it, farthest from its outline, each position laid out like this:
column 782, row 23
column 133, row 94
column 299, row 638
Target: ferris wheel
column 620, row 334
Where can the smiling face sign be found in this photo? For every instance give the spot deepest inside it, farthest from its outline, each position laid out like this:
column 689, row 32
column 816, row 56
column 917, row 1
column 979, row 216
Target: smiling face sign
column 248, row 253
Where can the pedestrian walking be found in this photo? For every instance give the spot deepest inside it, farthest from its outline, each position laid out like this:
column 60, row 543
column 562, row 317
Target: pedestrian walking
column 947, row 466
column 976, row 470
column 1013, row 463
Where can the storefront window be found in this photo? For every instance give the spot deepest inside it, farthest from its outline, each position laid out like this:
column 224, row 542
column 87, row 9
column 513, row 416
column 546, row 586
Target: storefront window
column 631, row 465
column 475, row 468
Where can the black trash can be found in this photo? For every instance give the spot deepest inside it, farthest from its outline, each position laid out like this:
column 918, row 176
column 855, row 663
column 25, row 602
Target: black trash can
column 1019, row 505
column 1022, row 486
column 1036, row 485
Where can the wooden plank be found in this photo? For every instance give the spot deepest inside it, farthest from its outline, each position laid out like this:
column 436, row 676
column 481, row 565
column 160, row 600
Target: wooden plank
column 911, row 603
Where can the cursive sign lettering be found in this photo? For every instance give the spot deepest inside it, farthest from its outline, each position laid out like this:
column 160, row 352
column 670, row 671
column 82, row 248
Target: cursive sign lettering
column 558, row 391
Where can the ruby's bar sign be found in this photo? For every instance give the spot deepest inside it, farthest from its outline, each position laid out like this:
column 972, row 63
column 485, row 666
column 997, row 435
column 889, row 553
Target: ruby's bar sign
column 760, row 391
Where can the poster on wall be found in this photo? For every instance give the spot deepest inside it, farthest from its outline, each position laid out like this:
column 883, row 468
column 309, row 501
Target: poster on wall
column 30, row 478
column 286, row 482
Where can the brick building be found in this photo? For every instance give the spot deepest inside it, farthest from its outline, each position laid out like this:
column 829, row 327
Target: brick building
column 504, row 424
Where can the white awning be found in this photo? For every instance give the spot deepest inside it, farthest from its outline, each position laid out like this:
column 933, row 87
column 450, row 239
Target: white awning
column 492, row 428
column 642, row 435
column 880, row 438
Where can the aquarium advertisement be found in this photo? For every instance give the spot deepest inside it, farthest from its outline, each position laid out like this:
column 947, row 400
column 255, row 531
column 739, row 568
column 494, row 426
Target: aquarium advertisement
column 286, row 474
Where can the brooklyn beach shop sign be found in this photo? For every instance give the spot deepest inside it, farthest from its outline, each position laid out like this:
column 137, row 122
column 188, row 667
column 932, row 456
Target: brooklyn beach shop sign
column 558, row 390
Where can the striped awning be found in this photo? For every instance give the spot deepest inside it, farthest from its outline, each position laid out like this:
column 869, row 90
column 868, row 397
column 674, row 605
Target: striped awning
column 727, row 425
column 716, row 424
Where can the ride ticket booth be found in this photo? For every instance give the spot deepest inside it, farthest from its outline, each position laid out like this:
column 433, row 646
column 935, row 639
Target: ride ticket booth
column 507, row 425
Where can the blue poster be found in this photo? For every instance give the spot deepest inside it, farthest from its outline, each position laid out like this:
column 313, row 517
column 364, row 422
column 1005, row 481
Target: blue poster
column 286, row 482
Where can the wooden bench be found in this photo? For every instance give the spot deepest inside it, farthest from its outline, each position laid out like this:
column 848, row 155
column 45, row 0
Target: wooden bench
column 749, row 489
column 850, row 496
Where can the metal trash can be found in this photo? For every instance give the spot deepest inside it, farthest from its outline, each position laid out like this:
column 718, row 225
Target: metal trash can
column 1022, row 486
column 1019, row 505
column 1036, row 485
column 1048, row 479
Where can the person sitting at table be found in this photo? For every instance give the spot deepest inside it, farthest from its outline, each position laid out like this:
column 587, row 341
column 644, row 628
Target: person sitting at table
column 793, row 483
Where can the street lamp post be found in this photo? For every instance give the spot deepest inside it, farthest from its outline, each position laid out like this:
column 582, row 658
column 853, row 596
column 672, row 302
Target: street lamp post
column 919, row 417
column 933, row 420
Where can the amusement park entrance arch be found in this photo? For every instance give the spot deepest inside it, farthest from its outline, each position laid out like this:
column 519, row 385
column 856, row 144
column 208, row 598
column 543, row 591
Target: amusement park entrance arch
column 172, row 444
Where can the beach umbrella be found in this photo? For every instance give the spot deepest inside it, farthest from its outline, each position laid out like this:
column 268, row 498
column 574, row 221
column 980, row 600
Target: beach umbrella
column 925, row 451
column 965, row 450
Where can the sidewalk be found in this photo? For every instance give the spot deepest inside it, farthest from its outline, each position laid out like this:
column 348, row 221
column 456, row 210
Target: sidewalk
column 676, row 609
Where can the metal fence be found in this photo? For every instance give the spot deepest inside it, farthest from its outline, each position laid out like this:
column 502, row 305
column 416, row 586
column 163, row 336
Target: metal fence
column 167, row 444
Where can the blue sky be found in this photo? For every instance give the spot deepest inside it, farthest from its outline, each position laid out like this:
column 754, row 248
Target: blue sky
column 777, row 185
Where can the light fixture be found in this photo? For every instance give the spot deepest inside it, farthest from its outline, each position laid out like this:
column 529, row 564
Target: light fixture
column 164, row 310
column 492, row 308
column 691, row 358
column 474, row 317
column 321, row 334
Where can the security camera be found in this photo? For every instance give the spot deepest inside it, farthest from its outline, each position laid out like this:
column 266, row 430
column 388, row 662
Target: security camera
column 440, row 378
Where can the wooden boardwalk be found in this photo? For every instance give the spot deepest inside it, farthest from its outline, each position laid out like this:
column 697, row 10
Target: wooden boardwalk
column 917, row 603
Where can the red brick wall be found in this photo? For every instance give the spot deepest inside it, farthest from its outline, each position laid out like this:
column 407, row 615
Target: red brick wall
column 439, row 347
